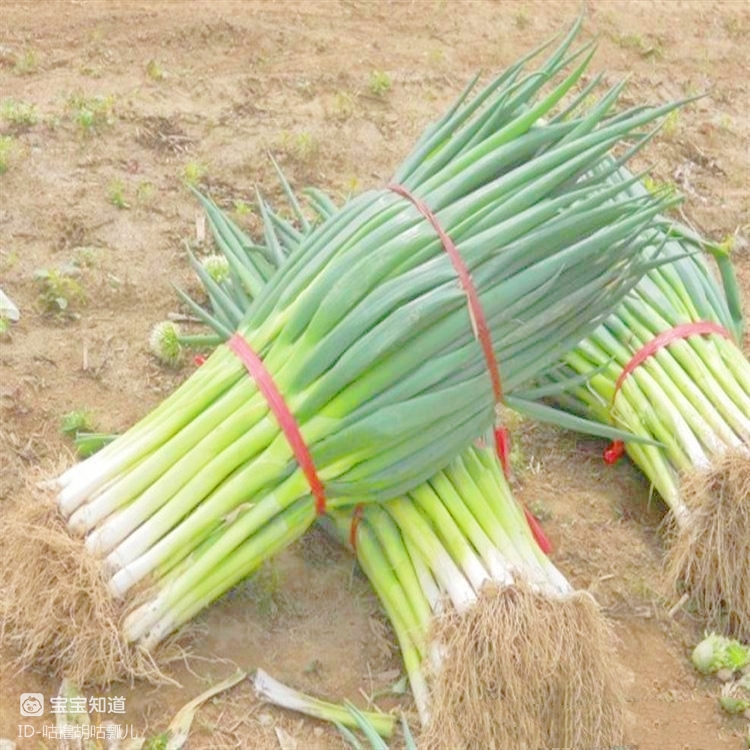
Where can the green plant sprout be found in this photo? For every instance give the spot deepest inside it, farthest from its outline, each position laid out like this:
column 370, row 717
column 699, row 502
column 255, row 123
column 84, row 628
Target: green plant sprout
column 8, row 151
column 345, row 105
column 19, row 115
column 154, row 71
column 302, row 146
column 242, row 208
column 78, row 420
column 671, row 124
column 522, row 20
column 91, row 114
column 643, row 46
column 27, row 63
column 145, row 192
column 59, row 289
column 380, row 83
column 659, row 188
column 117, row 194
column 193, row 172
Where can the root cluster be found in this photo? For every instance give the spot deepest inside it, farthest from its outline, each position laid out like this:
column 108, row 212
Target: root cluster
column 524, row 671
column 56, row 612
column 710, row 556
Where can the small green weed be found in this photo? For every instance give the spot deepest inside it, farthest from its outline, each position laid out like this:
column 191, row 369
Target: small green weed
column 18, row 115
column 305, row 146
column 655, row 187
column 144, row 193
column 264, row 589
column 302, row 146
column 91, row 114
column 9, row 259
column 345, row 105
column 436, row 57
column 78, row 420
column 193, row 172
column 644, row 46
column 87, row 256
column 155, row 71
column 671, row 124
column 59, row 290
column 734, row 27
column 352, row 185
column 726, row 122
column 27, row 63
column 380, row 83
column 116, row 193
column 8, row 151
column 158, row 741
column 242, row 208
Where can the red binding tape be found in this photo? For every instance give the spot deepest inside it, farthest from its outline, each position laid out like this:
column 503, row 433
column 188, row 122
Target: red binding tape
column 476, row 313
column 665, row 338
column 287, row 422
column 482, row 332
column 502, row 446
column 536, row 530
column 614, row 451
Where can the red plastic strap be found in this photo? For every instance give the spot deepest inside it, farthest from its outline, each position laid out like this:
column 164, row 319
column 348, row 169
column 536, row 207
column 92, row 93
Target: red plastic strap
column 287, row 422
column 502, row 446
column 663, row 339
column 482, row 332
column 615, row 450
column 539, row 536
column 356, row 518
column 476, row 313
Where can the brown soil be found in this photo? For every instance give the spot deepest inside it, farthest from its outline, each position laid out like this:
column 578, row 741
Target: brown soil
column 219, row 84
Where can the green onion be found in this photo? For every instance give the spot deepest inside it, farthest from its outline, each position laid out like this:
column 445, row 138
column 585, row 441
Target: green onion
column 347, row 716
column 483, row 617
column 436, row 551
column 692, row 397
column 374, row 740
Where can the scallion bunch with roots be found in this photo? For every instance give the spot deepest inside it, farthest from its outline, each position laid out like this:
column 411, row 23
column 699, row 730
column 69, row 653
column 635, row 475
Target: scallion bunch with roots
column 500, row 650
column 689, row 389
column 367, row 335
column 479, row 611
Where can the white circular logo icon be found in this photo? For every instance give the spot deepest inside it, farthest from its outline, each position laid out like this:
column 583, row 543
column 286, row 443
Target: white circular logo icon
column 32, row 704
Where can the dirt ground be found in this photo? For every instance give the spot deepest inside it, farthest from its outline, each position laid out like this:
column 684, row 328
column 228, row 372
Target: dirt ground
column 131, row 98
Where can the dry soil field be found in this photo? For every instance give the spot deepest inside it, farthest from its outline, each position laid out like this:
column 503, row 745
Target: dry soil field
column 107, row 108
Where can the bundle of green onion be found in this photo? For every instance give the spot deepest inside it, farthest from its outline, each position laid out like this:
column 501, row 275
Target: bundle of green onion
column 489, row 629
column 456, row 554
column 667, row 365
column 366, row 335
